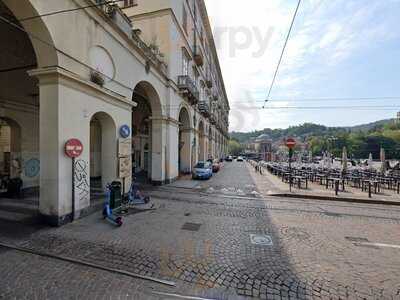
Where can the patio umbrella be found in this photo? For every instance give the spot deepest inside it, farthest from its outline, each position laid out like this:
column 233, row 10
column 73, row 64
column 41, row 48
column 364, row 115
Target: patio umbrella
column 328, row 160
column 383, row 161
column 323, row 159
column 299, row 159
column 344, row 160
column 370, row 161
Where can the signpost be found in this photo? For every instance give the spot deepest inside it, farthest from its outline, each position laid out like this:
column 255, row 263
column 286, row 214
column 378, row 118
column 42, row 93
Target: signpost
column 73, row 149
column 290, row 143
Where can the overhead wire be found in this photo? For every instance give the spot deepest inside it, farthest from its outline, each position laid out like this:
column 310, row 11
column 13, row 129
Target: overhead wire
column 282, row 53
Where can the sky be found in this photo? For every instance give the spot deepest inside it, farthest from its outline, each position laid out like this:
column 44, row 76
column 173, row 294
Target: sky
column 337, row 49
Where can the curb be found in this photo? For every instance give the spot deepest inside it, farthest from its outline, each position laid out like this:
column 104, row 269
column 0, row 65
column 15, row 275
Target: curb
column 327, row 198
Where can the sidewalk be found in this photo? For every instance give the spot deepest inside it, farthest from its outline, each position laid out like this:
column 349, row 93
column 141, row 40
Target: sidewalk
column 271, row 185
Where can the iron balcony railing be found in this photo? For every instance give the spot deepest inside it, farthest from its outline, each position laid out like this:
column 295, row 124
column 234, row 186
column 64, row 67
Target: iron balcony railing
column 188, row 88
column 114, row 12
column 213, row 120
column 204, row 108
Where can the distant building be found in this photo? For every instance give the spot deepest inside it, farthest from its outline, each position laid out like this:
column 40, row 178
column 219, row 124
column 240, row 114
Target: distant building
column 398, row 117
column 263, row 146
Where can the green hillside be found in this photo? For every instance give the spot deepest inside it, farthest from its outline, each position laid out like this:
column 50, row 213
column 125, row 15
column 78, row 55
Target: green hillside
column 360, row 140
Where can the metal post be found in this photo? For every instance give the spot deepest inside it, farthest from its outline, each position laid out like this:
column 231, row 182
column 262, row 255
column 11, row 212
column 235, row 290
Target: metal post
column 290, row 170
column 123, row 189
column 73, row 188
column 336, row 187
column 369, row 189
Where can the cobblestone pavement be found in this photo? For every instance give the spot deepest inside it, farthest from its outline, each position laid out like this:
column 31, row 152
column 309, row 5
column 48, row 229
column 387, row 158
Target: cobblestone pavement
column 201, row 238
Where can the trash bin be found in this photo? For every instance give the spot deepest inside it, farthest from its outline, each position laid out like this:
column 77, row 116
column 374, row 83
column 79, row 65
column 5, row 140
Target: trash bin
column 115, row 194
column 14, row 187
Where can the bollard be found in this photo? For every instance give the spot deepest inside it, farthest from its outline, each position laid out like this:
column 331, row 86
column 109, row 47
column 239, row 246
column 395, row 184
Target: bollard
column 369, row 190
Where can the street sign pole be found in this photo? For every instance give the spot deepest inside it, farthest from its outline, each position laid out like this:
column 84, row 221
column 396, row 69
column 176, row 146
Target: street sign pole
column 73, row 188
column 290, row 143
column 73, row 148
column 290, row 169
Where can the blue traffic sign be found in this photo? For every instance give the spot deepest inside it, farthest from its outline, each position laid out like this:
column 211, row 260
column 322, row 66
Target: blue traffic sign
column 125, row 131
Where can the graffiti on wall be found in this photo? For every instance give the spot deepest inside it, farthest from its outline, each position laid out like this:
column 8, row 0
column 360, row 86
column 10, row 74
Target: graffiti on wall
column 82, row 185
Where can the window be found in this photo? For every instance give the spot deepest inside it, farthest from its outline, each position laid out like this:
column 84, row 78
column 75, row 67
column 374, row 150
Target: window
column 202, row 36
column 196, row 76
column 129, row 3
column 185, row 63
column 185, row 20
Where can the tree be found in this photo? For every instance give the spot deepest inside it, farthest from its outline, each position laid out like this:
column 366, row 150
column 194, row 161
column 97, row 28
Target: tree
column 235, row 148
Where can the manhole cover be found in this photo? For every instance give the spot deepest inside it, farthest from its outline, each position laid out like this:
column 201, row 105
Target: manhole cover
column 261, row 239
column 191, row 226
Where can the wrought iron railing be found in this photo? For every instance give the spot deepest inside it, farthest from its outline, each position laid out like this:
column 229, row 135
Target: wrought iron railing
column 186, row 84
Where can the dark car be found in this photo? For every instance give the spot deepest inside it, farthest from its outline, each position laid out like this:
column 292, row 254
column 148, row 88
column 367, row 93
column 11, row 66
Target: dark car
column 228, row 158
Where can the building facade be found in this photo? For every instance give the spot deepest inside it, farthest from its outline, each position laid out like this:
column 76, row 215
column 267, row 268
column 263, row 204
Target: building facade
column 179, row 32
column 263, row 146
column 138, row 84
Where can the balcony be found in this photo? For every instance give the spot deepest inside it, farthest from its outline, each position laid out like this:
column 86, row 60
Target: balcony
column 198, row 59
column 188, row 89
column 215, row 96
column 213, row 120
column 204, row 108
column 155, row 57
column 114, row 12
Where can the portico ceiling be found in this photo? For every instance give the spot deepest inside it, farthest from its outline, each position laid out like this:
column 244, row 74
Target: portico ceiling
column 16, row 58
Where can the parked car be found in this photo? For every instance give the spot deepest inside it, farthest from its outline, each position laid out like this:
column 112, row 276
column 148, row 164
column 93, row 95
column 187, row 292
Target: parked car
column 216, row 166
column 240, row 158
column 202, row 170
column 229, row 158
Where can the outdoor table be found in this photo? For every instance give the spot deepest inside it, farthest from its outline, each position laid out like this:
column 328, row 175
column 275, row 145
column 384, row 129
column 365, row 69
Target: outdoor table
column 320, row 178
column 356, row 181
column 299, row 180
column 367, row 183
column 286, row 177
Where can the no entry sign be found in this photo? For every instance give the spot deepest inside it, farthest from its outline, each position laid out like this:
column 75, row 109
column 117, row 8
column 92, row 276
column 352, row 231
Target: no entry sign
column 73, row 148
column 290, row 143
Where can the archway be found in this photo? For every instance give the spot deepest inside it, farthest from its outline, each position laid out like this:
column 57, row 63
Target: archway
column 184, row 142
column 146, row 134
column 19, row 116
column 103, row 153
column 202, row 142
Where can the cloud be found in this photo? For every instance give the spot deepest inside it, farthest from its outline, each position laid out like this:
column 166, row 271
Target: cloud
column 326, row 34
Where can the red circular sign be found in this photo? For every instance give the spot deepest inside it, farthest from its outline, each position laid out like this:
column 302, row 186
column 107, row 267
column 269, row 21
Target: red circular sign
column 290, row 143
column 73, row 148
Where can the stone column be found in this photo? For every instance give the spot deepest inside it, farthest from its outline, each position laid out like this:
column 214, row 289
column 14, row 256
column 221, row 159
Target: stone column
column 172, row 150
column 158, row 151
